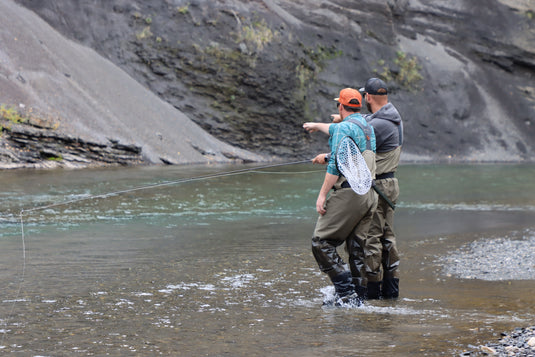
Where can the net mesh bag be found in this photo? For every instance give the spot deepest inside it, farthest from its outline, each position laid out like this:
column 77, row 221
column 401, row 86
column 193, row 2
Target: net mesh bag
column 352, row 165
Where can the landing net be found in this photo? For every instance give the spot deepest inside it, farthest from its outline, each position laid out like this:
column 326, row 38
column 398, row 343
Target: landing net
column 352, row 165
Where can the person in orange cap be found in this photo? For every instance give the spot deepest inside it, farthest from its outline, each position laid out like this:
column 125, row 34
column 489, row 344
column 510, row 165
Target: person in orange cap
column 344, row 216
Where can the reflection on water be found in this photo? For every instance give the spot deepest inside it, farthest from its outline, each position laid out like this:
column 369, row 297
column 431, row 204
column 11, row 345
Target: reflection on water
column 223, row 266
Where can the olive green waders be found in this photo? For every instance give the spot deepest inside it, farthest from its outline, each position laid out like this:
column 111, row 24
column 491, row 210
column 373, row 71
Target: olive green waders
column 347, row 220
column 381, row 241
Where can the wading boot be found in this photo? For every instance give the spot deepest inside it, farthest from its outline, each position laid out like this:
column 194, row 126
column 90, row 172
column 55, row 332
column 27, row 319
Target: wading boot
column 374, row 290
column 390, row 288
column 362, row 292
column 343, row 284
column 352, row 300
column 344, row 291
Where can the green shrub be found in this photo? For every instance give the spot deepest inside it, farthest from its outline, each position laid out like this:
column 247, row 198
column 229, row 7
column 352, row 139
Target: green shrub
column 257, row 35
column 406, row 72
column 409, row 70
column 145, row 33
column 11, row 114
column 183, row 9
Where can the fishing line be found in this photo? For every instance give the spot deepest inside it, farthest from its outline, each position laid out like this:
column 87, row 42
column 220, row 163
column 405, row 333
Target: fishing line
column 23, row 274
column 163, row 184
column 110, row 194
column 286, row 172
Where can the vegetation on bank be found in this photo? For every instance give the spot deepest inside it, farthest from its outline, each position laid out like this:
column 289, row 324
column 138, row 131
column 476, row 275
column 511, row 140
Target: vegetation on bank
column 405, row 71
column 10, row 115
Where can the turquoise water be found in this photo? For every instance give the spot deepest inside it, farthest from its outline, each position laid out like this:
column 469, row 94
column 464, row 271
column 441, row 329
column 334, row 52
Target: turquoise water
column 223, row 266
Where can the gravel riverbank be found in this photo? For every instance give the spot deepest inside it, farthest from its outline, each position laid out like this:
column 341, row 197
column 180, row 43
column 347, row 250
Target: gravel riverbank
column 510, row 258
column 518, row 343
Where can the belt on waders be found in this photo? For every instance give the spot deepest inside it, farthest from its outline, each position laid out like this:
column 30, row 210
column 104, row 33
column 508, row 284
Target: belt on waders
column 381, row 193
column 384, row 176
column 346, row 184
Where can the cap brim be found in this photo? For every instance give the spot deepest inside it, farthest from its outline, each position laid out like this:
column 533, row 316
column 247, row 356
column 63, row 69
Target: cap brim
column 362, row 89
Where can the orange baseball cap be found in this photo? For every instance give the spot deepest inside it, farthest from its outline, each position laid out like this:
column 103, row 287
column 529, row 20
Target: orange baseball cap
column 350, row 97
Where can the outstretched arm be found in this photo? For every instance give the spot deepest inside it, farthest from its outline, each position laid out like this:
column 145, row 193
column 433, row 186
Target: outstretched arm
column 312, row 127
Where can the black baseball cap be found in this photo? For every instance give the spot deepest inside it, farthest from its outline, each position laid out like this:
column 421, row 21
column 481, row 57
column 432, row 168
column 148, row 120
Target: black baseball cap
column 375, row 86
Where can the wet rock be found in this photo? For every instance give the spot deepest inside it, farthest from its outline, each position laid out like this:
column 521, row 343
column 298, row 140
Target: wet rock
column 515, row 343
column 488, row 350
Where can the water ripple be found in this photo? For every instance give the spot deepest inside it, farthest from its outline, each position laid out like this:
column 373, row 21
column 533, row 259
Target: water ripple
column 463, row 206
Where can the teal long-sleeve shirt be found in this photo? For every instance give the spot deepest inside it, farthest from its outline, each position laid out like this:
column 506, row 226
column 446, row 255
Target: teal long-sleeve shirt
column 339, row 130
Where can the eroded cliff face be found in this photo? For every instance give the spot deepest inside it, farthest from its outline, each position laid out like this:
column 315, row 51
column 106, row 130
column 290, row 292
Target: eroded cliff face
column 64, row 105
column 461, row 72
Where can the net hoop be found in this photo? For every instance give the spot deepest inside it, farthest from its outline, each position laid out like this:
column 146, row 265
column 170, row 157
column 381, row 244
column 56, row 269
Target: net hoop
column 352, row 165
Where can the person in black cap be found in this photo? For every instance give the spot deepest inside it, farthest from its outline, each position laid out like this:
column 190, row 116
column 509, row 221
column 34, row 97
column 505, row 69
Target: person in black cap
column 383, row 274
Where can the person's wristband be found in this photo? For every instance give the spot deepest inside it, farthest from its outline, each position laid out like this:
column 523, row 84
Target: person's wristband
column 327, row 158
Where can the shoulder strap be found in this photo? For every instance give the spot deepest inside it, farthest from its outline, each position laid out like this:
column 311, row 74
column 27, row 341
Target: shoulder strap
column 366, row 129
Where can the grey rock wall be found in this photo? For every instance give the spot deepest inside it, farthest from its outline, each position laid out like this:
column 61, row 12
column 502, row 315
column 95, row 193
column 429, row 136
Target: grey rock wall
column 251, row 72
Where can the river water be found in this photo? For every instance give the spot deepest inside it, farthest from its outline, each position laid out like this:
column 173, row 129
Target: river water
column 223, row 267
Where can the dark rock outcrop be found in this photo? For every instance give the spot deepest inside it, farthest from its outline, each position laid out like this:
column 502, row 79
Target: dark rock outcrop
column 251, row 72
column 26, row 146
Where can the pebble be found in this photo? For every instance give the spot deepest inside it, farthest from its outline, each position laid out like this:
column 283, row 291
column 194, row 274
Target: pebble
column 518, row 343
column 493, row 259
column 489, row 350
column 498, row 259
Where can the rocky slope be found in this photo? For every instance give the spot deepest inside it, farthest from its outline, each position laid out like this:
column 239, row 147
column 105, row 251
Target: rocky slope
column 62, row 104
column 250, row 72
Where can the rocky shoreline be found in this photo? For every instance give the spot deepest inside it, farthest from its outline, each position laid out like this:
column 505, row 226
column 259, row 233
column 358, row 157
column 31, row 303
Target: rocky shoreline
column 520, row 343
column 486, row 259
column 508, row 258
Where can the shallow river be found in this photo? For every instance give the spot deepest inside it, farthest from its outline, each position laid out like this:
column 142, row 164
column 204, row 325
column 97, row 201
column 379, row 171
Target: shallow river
column 223, row 266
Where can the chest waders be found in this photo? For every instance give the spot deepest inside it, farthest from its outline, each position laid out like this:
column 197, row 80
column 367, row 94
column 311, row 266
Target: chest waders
column 382, row 230
column 367, row 131
column 327, row 237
